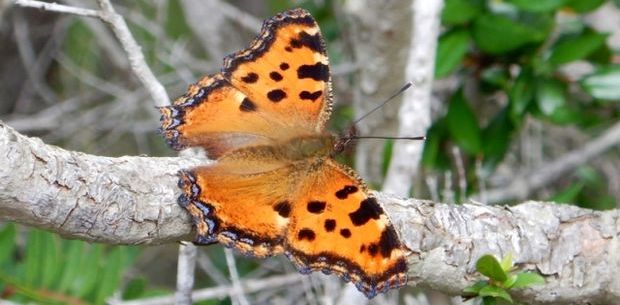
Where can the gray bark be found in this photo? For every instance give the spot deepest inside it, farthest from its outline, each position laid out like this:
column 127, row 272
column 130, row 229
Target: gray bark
column 131, row 200
column 380, row 34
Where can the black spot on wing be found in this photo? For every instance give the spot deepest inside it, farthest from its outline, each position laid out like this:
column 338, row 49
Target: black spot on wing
column 284, row 66
column 330, row 225
column 283, row 208
column 346, row 233
column 316, row 207
column 306, row 95
column 276, row 95
column 307, row 234
column 388, row 242
column 250, row 78
column 373, row 249
column 313, row 42
column 275, row 76
column 369, row 208
column 346, row 191
column 247, row 105
column 318, row 71
column 362, row 248
column 288, row 49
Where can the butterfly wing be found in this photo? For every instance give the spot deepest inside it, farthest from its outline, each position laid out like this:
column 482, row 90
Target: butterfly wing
column 357, row 240
column 276, row 89
column 244, row 204
column 286, row 69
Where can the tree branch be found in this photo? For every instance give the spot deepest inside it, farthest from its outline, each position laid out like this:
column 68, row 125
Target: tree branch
column 125, row 200
column 130, row 200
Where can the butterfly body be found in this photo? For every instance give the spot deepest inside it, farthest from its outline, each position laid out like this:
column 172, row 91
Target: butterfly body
column 275, row 187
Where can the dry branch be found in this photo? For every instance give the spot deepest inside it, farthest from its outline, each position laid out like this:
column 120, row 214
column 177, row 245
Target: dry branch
column 129, row 200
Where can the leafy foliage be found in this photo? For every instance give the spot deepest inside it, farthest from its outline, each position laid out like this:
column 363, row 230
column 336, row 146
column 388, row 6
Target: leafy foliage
column 501, row 278
column 50, row 270
column 519, row 57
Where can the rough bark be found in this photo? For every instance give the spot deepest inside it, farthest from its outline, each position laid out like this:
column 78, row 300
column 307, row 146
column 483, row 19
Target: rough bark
column 130, row 200
column 125, row 200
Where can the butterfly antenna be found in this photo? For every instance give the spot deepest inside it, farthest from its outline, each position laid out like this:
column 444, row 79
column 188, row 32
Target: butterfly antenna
column 389, row 138
column 399, row 92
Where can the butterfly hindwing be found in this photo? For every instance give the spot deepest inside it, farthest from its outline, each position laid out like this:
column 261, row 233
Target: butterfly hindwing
column 244, row 210
column 336, row 226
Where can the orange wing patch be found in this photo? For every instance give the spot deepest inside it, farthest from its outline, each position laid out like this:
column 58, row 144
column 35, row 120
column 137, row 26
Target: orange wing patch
column 336, row 212
column 275, row 188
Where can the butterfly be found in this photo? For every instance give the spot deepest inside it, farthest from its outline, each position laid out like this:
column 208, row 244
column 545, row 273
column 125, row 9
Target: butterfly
column 275, row 187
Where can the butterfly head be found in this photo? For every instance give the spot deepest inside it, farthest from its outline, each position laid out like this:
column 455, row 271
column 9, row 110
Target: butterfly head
column 344, row 140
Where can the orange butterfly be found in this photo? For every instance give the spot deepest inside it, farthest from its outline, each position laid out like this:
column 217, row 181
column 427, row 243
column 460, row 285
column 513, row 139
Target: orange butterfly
column 275, row 188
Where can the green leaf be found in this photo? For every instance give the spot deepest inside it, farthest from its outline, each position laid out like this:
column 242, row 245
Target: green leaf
column 457, row 12
column 569, row 194
column 521, row 94
column 488, row 266
column 565, row 115
column 603, row 84
column 134, row 289
column 496, row 137
column 7, row 243
column 85, row 283
column 451, row 50
column 110, row 275
column 582, row 6
column 506, row 262
column 509, row 282
column 526, row 279
column 475, row 288
column 494, row 78
column 496, row 292
column 388, row 147
column 576, row 48
column 550, row 95
column 432, row 154
column 33, row 261
column 74, row 256
column 497, row 34
column 51, row 261
column 463, row 125
column 538, row 5
column 489, row 301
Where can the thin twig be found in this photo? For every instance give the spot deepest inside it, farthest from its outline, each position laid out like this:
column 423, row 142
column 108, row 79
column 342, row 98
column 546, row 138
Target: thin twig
column 526, row 183
column 414, row 115
column 239, row 296
column 226, row 291
column 185, row 273
column 134, row 53
column 58, row 8
column 461, row 178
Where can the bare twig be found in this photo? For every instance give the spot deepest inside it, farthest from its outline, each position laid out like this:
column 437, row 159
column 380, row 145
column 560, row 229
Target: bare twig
column 461, row 178
column 134, row 53
column 524, row 184
column 185, row 273
column 57, row 8
column 239, row 295
column 120, row 29
column 225, row 291
column 414, row 116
